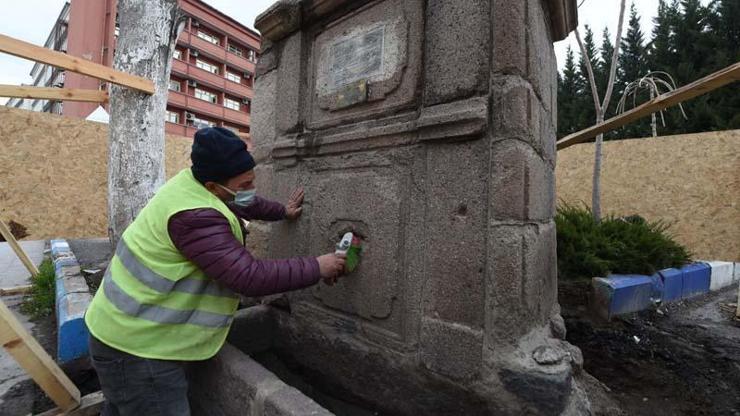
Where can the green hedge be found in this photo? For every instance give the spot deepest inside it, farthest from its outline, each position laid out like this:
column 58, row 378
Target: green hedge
column 620, row 245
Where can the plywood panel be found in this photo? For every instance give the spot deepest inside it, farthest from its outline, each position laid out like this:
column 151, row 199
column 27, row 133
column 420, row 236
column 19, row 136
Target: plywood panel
column 53, row 173
column 691, row 180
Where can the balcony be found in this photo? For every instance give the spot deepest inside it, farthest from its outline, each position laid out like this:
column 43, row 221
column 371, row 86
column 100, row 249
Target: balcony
column 207, row 108
column 238, row 89
column 179, row 67
column 178, row 99
column 239, row 62
column 215, row 80
column 208, row 48
column 238, row 117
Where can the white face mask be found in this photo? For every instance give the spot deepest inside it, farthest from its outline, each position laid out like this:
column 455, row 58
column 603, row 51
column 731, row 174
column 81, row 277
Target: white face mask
column 241, row 198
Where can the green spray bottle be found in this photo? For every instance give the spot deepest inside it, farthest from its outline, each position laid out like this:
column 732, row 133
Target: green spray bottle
column 351, row 247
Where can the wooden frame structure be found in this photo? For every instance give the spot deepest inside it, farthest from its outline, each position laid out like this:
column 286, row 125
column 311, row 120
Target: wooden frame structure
column 13, row 336
column 699, row 87
column 32, row 52
column 10, row 238
column 63, row 94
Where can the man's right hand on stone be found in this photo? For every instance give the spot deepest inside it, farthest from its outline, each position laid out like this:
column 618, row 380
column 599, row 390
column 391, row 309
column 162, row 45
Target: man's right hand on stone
column 331, row 266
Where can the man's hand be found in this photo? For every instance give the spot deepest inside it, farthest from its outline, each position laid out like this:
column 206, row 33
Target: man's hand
column 331, row 266
column 294, row 207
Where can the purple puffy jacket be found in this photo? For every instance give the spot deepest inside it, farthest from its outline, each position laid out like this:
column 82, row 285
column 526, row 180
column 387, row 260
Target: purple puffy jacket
column 204, row 237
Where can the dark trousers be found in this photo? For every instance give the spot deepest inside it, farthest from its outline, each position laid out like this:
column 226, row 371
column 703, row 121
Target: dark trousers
column 135, row 386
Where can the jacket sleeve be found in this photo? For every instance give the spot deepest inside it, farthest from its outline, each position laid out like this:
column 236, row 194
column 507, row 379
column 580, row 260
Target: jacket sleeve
column 260, row 209
column 204, row 237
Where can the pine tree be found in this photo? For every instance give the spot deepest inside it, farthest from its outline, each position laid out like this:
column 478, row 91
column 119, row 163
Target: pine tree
column 633, row 66
column 662, row 56
column 569, row 88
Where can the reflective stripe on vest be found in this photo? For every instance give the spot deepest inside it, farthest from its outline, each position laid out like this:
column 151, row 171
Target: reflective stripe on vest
column 163, row 285
column 160, row 314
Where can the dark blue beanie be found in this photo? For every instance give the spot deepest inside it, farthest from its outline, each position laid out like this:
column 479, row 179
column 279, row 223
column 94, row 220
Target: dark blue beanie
column 219, row 154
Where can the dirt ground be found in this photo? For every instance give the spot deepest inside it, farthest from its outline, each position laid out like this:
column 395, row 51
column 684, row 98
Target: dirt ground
column 682, row 359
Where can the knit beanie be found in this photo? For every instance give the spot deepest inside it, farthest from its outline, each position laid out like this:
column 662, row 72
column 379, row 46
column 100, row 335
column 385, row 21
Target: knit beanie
column 219, row 154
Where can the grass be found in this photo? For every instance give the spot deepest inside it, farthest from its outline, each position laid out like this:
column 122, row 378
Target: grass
column 620, row 245
column 40, row 303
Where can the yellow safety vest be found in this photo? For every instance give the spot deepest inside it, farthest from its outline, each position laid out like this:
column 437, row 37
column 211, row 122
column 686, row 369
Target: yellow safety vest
column 155, row 303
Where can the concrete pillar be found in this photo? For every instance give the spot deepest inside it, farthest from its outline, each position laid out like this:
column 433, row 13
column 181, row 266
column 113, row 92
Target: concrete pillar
column 428, row 128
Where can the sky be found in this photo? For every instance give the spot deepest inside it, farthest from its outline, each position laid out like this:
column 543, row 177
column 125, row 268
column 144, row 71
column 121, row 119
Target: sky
column 31, row 20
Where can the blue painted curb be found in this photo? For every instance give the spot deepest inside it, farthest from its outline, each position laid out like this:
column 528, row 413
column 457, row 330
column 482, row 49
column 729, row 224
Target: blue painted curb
column 72, row 299
column 696, row 279
column 622, row 294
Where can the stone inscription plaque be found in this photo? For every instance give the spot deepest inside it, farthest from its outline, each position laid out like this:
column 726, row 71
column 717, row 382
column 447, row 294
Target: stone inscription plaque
column 356, row 58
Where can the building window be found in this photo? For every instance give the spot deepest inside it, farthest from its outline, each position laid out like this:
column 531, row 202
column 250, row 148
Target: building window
column 206, row 66
column 174, row 85
column 173, row 117
column 205, row 95
column 208, row 37
column 201, row 123
column 232, row 104
column 177, row 54
column 235, row 50
column 252, row 55
column 233, row 77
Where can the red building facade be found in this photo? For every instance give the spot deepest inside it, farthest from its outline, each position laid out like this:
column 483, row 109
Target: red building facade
column 212, row 70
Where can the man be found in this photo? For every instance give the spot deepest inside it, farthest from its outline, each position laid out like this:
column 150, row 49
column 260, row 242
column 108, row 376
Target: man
column 170, row 291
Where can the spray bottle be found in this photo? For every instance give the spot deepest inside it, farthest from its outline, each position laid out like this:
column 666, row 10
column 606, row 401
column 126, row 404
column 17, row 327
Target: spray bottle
column 351, row 247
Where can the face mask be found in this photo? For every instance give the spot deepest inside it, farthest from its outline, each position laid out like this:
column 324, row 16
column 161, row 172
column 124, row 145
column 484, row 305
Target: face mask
column 241, row 198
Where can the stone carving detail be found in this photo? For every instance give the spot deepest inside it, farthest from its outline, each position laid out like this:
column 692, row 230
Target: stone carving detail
column 361, row 63
column 356, row 58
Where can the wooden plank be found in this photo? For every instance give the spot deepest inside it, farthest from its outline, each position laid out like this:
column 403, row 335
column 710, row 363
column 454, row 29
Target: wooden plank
column 18, row 290
column 90, row 405
column 5, row 231
column 32, row 52
column 62, row 94
column 702, row 86
column 37, row 363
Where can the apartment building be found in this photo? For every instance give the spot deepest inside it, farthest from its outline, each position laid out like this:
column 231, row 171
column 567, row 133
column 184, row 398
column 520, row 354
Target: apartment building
column 212, row 70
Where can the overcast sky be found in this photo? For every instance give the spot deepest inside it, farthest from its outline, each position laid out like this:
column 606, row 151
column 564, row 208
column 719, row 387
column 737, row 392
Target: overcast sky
column 31, row 20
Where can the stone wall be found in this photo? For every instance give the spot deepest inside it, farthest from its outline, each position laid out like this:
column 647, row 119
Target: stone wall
column 53, row 173
column 441, row 156
column 689, row 181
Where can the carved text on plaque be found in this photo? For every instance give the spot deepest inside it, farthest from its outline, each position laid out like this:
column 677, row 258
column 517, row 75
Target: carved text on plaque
column 356, row 58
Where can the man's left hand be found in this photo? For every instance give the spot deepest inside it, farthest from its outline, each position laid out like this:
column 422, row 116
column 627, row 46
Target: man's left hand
column 294, row 207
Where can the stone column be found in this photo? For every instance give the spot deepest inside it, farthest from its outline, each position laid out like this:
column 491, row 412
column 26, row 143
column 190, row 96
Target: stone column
column 428, row 128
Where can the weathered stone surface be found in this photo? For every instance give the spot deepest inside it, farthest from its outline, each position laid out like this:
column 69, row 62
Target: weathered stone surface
column 426, row 128
column 540, row 54
column 253, row 329
column 456, row 49
column 522, row 284
column 522, row 184
column 456, row 191
column 450, row 349
column 290, row 82
column 547, row 393
column 232, row 384
column 509, row 37
column 263, row 129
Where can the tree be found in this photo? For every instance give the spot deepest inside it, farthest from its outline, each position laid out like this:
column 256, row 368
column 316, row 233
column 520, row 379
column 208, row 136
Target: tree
column 633, row 66
column 587, row 114
column 600, row 107
column 149, row 31
column 569, row 88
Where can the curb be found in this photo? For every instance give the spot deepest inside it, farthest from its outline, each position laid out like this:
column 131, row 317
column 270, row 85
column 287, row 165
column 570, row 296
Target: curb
column 621, row 294
column 72, row 299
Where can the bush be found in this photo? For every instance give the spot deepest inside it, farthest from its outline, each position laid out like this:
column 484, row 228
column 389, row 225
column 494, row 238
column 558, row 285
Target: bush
column 43, row 294
column 621, row 245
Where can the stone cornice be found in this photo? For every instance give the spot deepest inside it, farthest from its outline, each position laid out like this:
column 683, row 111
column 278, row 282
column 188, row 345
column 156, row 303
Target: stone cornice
column 563, row 18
